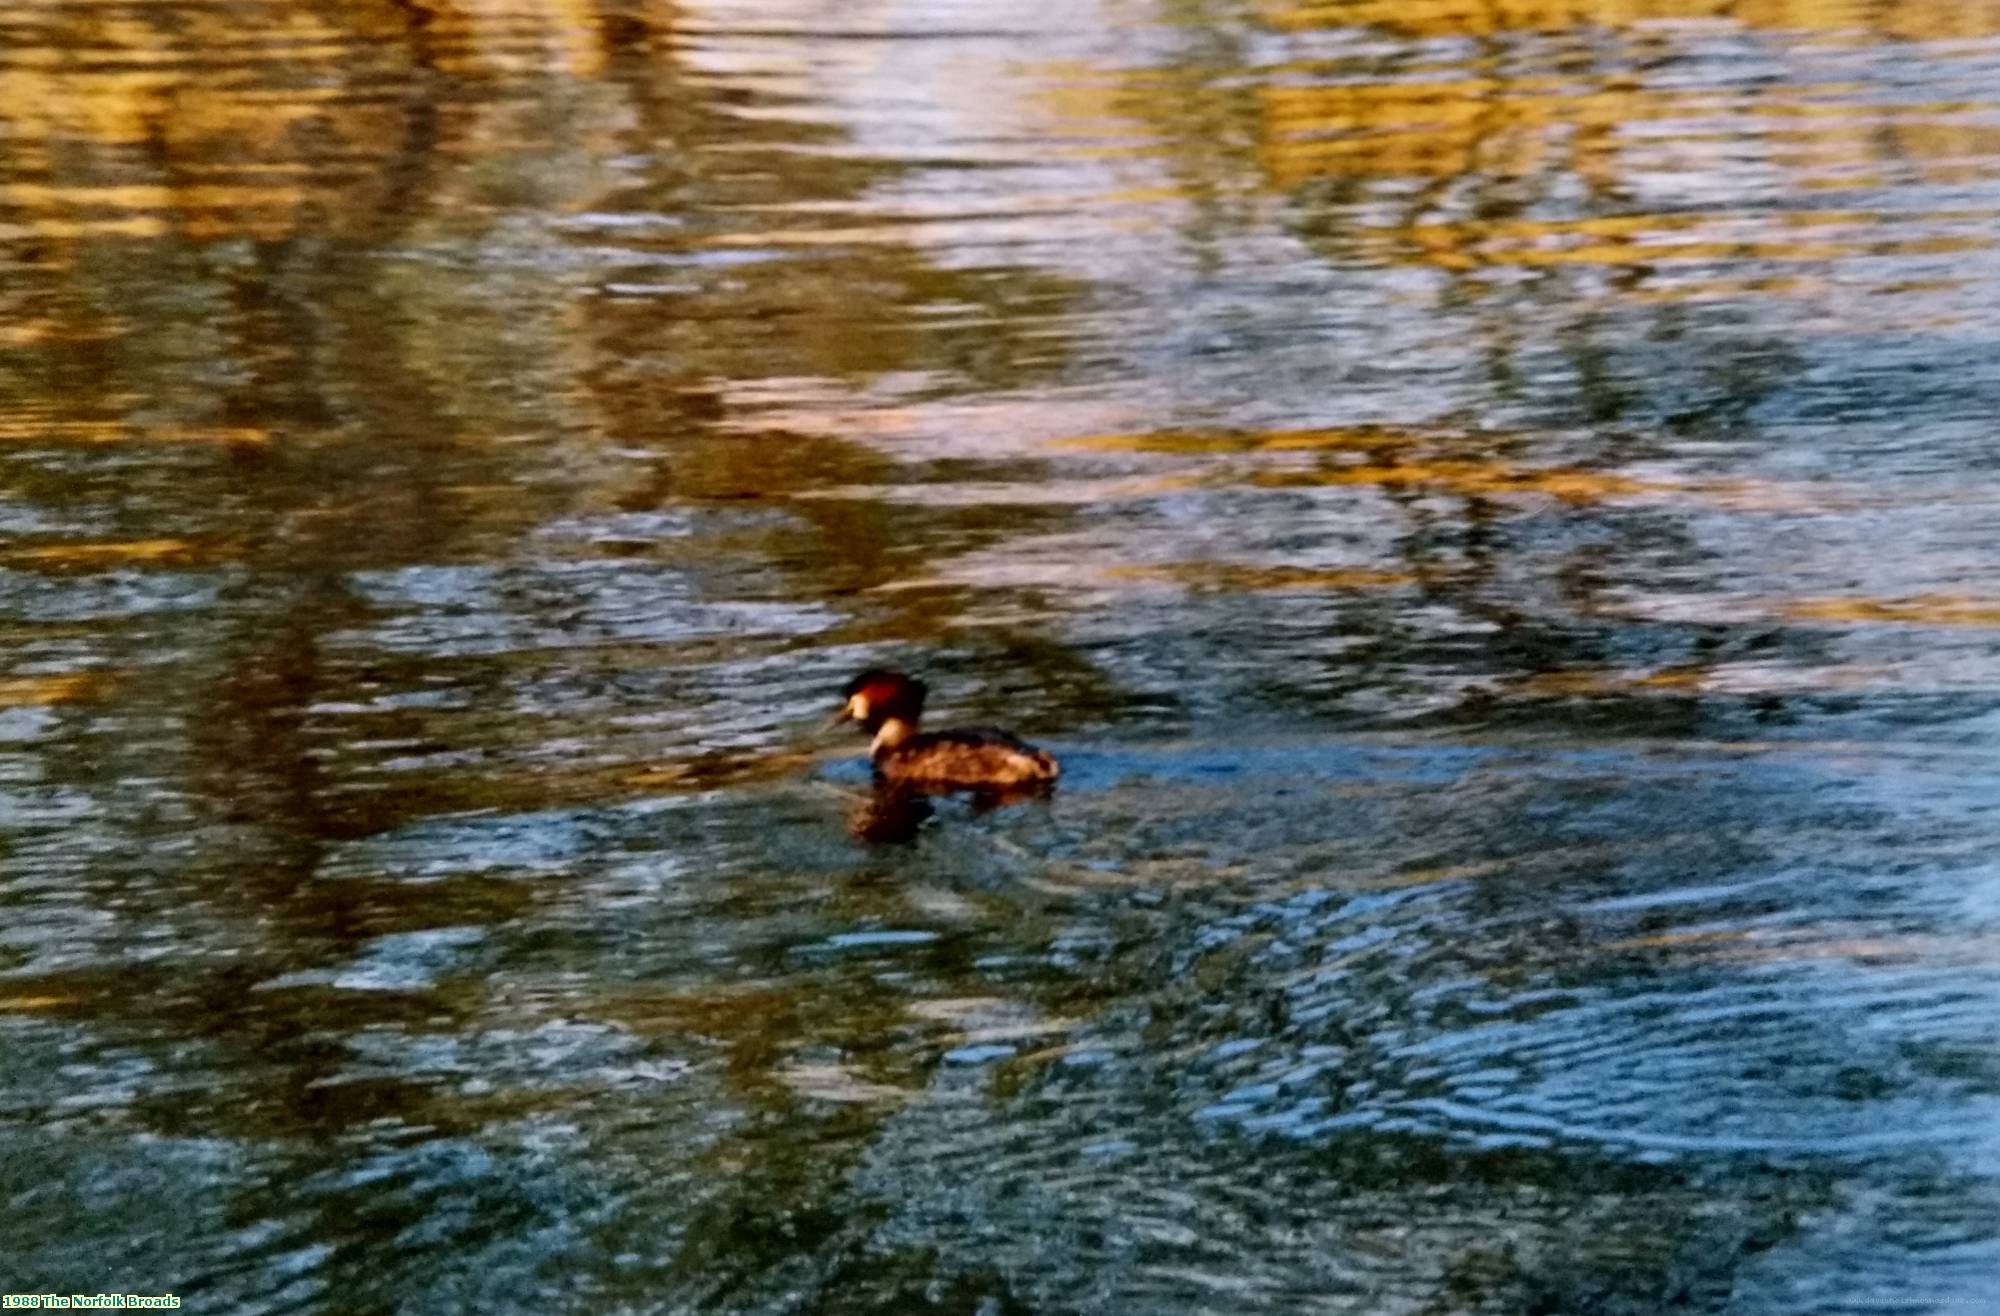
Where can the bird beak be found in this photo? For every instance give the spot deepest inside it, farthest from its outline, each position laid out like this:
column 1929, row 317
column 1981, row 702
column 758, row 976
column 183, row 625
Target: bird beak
column 851, row 711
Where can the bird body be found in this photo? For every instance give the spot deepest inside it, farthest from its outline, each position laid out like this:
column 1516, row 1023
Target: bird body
column 890, row 706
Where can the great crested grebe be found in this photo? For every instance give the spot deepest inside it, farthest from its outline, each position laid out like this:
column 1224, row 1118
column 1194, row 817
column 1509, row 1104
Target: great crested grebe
column 889, row 705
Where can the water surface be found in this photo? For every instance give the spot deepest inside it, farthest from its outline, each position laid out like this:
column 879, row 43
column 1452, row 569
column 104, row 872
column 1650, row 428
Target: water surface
column 1494, row 505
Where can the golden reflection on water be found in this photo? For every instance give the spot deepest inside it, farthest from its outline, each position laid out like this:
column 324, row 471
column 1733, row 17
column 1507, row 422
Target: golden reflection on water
column 40, row 430
column 1922, row 610
column 28, row 691
column 178, row 552
column 261, row 119
column 1448, row 150
column 1908, row 20
column 1464, row 477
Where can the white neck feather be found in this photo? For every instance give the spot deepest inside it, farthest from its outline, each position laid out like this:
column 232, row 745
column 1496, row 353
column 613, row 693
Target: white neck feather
column 892, row 733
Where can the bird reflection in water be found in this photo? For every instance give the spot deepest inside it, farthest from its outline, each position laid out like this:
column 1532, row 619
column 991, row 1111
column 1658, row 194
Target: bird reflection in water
column 889, row 815
column 894, row 812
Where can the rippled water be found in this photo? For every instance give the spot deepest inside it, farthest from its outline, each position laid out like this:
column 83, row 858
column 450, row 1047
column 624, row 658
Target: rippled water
column 1495, row 506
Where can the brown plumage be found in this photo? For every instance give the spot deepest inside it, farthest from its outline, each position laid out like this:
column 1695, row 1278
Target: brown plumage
column 889, row 705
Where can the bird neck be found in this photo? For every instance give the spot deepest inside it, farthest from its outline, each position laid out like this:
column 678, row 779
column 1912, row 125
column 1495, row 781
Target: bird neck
column 893, row 732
